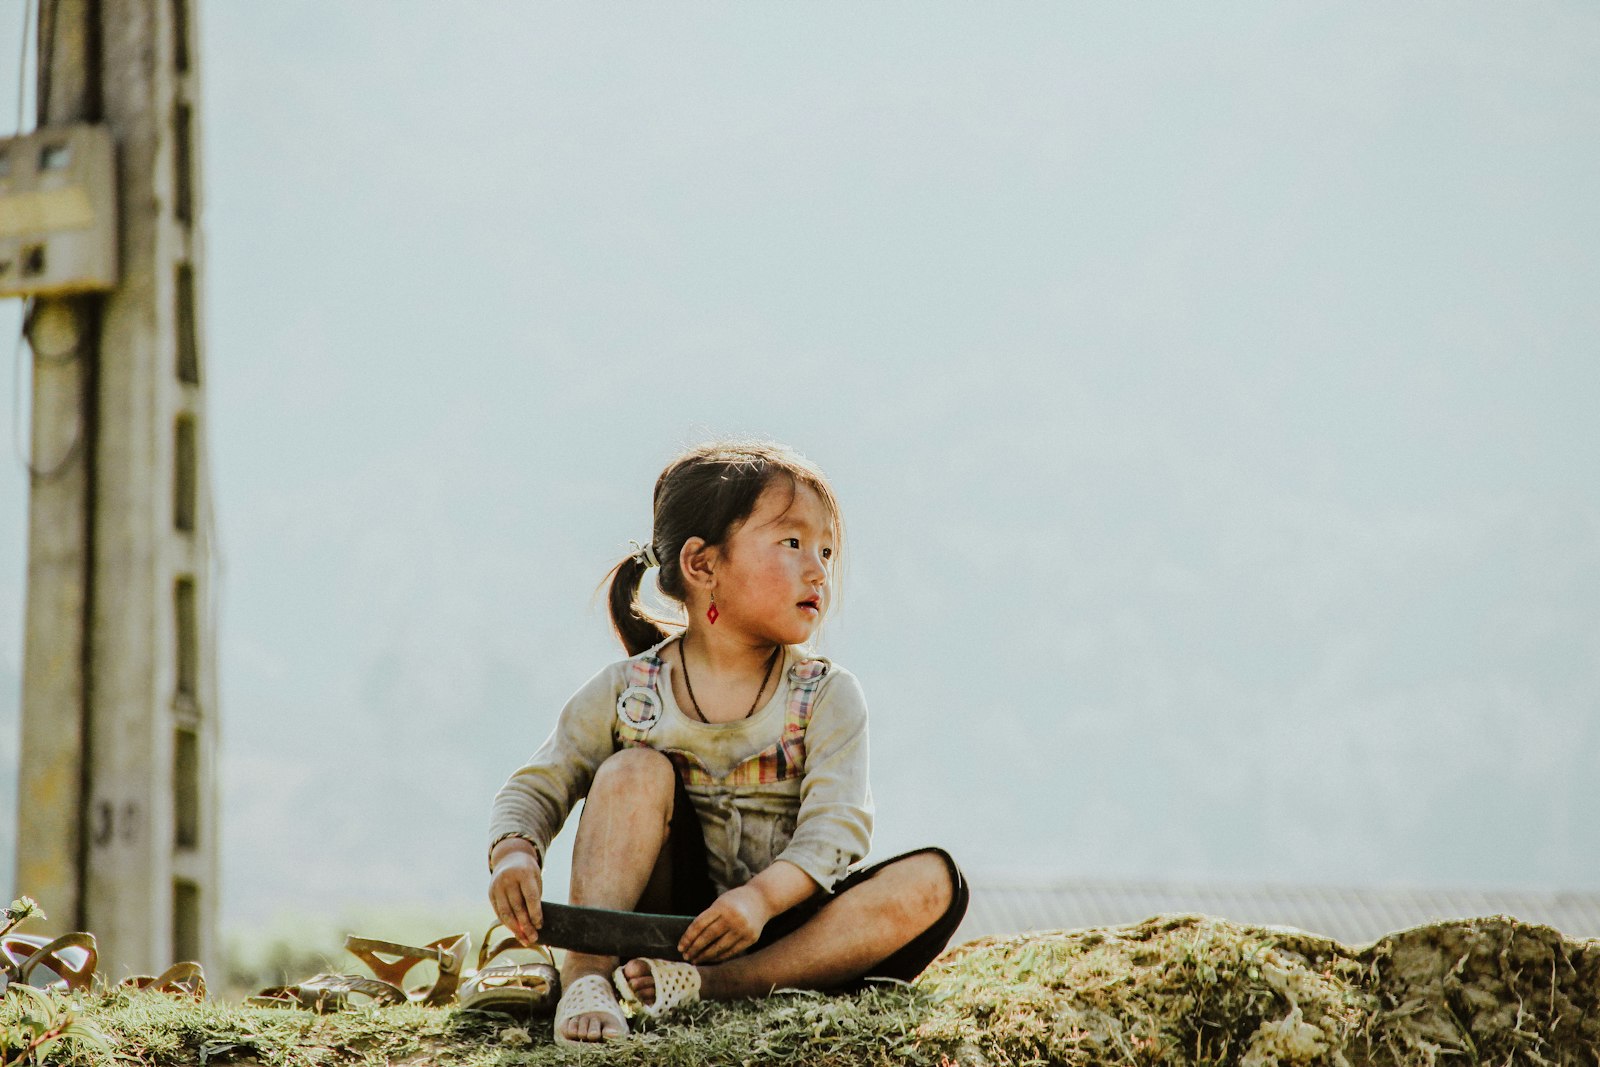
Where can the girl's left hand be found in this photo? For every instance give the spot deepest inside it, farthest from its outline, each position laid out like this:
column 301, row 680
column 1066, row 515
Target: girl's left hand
column 727, row 928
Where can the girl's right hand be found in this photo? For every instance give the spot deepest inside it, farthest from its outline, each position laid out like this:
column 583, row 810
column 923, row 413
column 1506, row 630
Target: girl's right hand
column 515, row 888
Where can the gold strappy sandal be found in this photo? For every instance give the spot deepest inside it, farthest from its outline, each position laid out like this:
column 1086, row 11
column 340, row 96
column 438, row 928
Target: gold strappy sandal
column 520, row 987
column 450, row 953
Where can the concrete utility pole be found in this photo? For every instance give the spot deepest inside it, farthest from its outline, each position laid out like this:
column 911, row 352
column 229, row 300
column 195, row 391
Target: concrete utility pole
column 117, row 829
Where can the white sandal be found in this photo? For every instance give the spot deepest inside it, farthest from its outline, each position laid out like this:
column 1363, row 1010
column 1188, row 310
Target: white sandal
column 589, row 995
column 676, row 984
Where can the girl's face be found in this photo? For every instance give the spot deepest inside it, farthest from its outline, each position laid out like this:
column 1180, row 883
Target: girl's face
column 773, row 577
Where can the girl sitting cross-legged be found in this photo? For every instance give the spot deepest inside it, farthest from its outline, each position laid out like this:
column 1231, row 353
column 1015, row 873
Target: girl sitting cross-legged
column 723, row 768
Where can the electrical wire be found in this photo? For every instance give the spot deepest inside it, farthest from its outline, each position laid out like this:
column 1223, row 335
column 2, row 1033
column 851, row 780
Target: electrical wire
column 16, row 396
column 49, row 359
column 33, row 19
column 22, row 325
column 40, row 358
column 24, row 452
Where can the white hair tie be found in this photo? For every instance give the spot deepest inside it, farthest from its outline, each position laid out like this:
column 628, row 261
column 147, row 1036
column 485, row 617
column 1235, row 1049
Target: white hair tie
column 645, row 554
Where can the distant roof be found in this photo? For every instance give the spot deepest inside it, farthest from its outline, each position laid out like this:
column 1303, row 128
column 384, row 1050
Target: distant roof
column 1352, row 916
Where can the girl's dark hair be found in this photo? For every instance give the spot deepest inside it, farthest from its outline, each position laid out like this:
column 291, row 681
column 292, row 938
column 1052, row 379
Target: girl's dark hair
column 706, row 493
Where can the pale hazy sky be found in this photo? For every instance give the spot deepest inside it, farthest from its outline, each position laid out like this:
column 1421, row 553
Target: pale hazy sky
column 1211, row 392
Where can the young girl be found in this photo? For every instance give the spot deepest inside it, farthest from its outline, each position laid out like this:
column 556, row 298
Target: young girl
column 724, row 768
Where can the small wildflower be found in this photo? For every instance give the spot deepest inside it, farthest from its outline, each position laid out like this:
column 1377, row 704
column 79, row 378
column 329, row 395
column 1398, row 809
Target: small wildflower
column 21, row 908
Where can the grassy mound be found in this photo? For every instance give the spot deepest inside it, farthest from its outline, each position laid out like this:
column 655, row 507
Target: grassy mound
column 1172, row 990
column 1190, row 990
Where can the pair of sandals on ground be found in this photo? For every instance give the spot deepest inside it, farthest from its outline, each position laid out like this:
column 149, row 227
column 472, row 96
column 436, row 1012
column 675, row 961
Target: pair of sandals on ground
column 516, row 988
column 519, row 988
column 67, row 963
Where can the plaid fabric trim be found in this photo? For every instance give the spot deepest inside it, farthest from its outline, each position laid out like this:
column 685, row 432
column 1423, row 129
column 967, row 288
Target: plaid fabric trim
column 785, row 759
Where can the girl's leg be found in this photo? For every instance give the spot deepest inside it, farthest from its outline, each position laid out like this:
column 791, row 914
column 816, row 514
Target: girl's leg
column 864, row 925
column 617, row 855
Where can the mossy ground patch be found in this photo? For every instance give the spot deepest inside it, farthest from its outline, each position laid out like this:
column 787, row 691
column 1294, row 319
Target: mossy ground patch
column 1171, row 990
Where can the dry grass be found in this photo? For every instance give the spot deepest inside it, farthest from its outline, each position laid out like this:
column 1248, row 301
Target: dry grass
column 1172, row 990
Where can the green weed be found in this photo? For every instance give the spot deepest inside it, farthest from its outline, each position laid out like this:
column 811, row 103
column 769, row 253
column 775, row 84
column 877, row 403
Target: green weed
column 37, row 1023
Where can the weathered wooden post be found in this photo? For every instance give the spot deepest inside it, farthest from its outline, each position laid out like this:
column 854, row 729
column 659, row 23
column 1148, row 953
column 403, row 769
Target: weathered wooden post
column 117, row 828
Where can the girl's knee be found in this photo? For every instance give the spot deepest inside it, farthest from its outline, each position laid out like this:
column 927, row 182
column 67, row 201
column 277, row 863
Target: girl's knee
column 636, row 772
column 923, row 886
column 936, row 887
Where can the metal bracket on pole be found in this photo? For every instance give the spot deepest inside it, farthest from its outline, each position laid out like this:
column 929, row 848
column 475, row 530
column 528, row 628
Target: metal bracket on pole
column 58, row 212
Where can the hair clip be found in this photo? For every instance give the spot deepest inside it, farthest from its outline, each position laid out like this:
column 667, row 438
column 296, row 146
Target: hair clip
column 645, row 553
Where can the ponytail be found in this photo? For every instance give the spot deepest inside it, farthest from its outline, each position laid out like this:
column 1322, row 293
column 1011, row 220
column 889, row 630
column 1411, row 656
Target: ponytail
column 635, row 629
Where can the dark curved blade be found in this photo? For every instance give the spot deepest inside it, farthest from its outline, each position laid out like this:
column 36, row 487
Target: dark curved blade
column 612, row 933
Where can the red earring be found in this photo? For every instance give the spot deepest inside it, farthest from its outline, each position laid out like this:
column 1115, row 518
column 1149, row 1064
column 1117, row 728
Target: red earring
column 712, row 612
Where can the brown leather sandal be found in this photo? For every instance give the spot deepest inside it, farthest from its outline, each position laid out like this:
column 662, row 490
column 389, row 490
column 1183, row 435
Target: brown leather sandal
column 450, row 953
column 186, row 979
column 71, row 958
